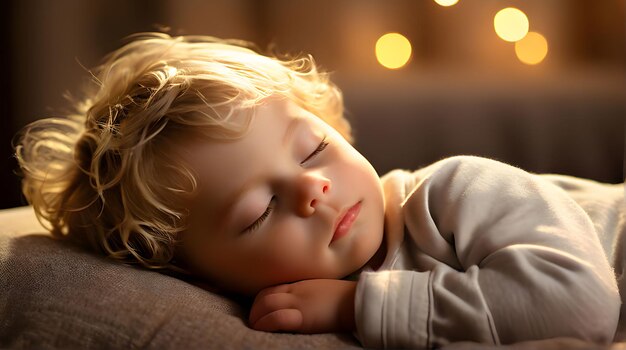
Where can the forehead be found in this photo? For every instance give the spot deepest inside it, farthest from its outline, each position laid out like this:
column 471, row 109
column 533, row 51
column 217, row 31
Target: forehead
column 268, row 121
column 222, row 168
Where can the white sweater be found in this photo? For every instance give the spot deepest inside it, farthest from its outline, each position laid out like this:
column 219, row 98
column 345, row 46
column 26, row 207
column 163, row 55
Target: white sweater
column 482, row 251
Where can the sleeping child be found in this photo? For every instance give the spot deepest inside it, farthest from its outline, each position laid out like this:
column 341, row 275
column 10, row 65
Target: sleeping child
column 206, row 158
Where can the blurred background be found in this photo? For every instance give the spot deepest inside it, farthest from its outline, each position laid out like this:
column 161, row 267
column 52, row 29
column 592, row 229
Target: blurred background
column 541, row 85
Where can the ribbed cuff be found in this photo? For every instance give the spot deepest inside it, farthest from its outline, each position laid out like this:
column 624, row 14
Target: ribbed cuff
column 392, row 309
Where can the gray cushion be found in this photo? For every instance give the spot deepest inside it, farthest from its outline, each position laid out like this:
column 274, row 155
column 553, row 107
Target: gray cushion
column 55, row 295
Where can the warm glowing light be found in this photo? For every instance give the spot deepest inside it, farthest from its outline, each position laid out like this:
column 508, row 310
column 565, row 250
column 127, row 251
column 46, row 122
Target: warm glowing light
column 393, row 50
column 446, row 2
column 510, row 24
column 532, row 49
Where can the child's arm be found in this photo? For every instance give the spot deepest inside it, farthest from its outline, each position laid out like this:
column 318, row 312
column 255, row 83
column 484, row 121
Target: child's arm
column 498, row 256
column 310, row 306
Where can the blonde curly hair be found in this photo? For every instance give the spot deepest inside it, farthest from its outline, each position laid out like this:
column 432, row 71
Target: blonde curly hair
column 109, row 176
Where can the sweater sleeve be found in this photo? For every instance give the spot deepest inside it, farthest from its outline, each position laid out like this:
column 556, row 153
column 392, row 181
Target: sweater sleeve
column 500, row 256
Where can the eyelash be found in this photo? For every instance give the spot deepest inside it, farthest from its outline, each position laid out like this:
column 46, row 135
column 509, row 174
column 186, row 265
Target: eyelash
column 317, row 151
column 257, row 223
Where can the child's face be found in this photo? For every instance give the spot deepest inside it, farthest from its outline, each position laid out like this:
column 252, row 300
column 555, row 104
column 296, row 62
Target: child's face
column 291, row 200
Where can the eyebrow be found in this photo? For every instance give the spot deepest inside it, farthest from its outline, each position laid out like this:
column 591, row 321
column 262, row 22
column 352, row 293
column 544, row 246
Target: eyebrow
column 287, row 137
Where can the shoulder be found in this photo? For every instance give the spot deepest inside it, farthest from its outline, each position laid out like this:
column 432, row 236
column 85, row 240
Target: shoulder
column 465, row 177
column 472, row 164
column 472, row 180
column 450, row 164
column 464, row 170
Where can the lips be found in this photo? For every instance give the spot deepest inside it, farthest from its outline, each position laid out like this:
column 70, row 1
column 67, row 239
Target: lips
column 343, row 225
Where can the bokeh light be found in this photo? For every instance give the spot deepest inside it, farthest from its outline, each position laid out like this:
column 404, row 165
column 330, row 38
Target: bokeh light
column 446, row 2
column 393, row 50
column 511, row 24
column 532, row 49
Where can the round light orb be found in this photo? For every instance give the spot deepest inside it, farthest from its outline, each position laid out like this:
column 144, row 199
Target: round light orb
column 446, row 3
column 510, row 24
column 532, row 49
column 393, row 50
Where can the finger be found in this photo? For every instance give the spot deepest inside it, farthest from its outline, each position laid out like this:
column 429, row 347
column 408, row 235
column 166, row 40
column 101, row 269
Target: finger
column 266, row 304
column 281, row 288
column 280, row 320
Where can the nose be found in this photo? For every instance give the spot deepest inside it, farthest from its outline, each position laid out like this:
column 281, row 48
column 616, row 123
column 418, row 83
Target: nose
column 311, row 189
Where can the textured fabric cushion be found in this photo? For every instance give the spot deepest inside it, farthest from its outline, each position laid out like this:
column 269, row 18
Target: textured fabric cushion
column 55, row 295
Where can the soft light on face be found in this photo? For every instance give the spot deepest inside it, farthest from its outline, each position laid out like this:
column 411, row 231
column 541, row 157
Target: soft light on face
column 290, row 200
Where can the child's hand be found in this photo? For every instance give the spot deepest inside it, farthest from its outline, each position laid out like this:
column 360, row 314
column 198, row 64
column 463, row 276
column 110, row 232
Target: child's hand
column 310, row 306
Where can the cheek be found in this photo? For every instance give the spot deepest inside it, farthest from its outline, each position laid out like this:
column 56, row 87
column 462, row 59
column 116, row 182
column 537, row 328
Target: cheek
column 359, row 174
column 291, row 251
column 207, row 256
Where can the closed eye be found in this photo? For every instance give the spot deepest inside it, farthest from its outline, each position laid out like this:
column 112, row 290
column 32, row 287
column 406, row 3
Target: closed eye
column 258, row 222
column 317, row 151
